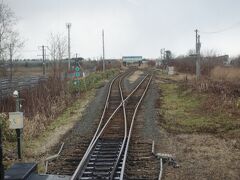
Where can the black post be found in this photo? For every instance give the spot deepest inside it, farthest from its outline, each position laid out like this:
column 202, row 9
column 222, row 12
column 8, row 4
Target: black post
column 1, row 154
column 18, row 131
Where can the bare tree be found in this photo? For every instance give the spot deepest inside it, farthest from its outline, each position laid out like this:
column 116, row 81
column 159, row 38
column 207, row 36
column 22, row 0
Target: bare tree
column 7, row 22
column 191, row 52
column 13, row 46
column 15, row 43
column 10, row 41
column 53, row 47
column 58, row 46
column 58, row 50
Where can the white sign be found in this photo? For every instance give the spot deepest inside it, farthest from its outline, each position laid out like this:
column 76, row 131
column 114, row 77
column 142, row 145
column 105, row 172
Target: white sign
column 170, row 70
column 16, row 120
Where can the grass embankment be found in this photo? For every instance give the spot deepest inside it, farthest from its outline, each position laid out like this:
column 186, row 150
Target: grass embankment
column 60, row 125
column 185, row 111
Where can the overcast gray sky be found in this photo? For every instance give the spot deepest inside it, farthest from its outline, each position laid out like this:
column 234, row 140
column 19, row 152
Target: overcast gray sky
column 132, row 27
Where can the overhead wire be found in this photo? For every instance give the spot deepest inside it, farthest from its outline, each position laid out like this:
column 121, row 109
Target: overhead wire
column 236, row 25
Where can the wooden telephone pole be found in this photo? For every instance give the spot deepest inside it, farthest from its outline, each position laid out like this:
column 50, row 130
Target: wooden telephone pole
column 103, row 46
column 198, row 58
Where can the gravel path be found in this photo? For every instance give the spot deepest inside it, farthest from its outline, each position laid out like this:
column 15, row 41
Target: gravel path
column 128, row 86
column 84, row 129
column 92, row 112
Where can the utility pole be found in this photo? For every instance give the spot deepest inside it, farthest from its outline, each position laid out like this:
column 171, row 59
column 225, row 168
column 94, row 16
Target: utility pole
column 162, row 51
column 103, row 56
column 198, row 47
column 159, row 61
column 196, row 37
column 164, row 54
column 68, row 25
column 43, row 60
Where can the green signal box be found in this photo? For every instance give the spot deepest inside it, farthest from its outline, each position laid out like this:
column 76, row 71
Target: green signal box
column 77, row 69
column 77, row 74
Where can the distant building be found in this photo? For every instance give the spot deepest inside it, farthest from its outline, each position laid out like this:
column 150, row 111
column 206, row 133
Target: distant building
column 132, row 59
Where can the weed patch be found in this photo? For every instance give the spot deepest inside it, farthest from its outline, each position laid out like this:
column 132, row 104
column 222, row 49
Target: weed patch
column 184, row 112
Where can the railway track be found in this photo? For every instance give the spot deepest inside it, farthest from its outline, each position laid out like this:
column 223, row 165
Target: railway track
column 106, row 155
column 117, row 149
column 75, row 148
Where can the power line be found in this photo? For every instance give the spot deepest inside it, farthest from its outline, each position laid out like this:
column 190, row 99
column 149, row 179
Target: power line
column 29, row 50
column 222, row 30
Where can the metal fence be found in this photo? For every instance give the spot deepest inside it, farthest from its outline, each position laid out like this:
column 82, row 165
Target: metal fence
column 7, row 86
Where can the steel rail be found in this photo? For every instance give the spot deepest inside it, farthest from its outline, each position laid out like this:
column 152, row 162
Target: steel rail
column 106, row 106
column 130, row 130
column 98, row 128
column 125, row 131
column 161, row 170
column 104, row 110
column 92, row 144
column 123, row 144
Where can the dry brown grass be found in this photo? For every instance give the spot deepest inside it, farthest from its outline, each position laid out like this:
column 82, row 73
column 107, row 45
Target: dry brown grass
column 29, row 71
column 226, row 74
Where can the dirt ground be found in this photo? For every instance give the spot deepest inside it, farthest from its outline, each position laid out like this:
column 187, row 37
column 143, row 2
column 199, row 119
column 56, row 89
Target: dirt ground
column 200, row 155
column 135, row 76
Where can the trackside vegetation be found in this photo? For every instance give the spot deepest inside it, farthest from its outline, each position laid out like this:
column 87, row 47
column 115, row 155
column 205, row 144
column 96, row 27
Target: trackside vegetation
column 185, row 110
column 37, row 119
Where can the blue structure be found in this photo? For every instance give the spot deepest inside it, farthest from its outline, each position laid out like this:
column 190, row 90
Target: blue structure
column 132, row 59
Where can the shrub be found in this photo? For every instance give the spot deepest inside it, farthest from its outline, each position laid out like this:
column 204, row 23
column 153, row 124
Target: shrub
column 47, row 100
column 91, row 81
column 188, row 64
column 7, row 134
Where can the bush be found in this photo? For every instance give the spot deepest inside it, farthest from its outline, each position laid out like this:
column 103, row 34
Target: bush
column 7, row 134
column 188, row 64
column 91, row 81
column 151, row 63
column 226, row 74
column 47, row 100
column 236, row 62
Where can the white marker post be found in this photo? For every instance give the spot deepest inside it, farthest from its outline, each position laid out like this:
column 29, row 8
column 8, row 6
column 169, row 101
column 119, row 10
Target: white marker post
column 16, row 122
column 84, row 75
